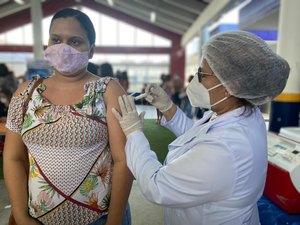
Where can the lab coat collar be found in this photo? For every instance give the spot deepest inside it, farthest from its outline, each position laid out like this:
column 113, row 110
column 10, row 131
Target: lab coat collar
column 202, row 127
column 229, row 117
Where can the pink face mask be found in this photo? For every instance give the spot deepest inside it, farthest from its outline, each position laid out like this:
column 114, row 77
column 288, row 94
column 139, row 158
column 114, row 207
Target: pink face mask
column 65, row 59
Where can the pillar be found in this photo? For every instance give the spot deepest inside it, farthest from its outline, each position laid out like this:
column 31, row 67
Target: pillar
column 285, row 107
column 177, row 60
column 36, row 19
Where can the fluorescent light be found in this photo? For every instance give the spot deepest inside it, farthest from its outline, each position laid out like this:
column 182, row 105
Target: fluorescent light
column 110, row 2
column 20, row 2
column 152, row 17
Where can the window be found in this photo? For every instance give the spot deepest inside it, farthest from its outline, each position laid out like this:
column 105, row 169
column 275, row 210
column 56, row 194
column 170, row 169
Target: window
column 126, row 34
column 108, row 35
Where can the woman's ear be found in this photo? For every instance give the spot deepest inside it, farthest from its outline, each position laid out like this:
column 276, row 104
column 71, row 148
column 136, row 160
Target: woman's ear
column 92, row 51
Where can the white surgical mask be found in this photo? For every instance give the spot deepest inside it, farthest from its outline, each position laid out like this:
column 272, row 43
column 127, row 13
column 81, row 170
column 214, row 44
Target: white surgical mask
column 65, row 59
column 199, row 95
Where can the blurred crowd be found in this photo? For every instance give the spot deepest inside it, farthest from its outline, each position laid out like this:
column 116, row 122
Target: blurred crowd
column 106, row 70
column 174, row 86
column 8, row 85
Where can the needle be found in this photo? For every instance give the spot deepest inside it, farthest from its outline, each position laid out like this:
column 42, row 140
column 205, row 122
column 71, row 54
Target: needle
column 140, row 96
column 133, row 93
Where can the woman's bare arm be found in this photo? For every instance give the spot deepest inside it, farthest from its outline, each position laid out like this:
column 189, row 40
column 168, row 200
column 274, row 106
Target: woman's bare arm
column 15, row 166
column 15, row 174
column 122, row 177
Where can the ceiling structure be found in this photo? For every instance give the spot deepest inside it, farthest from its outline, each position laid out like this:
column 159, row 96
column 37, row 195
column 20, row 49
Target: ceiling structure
column 174, row 19
column 177, row 20
column 175, row 16
column 260, row 15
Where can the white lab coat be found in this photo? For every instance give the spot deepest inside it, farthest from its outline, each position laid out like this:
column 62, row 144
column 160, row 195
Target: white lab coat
column 214, row 172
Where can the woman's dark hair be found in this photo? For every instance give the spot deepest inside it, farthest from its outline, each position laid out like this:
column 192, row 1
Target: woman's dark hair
column 82, row 18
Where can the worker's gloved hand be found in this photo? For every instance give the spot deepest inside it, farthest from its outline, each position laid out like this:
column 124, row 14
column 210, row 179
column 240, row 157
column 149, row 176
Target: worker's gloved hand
column 157, row 97
column 130, row 120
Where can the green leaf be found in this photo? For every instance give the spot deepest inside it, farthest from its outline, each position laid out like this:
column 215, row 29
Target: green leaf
column 28, row 121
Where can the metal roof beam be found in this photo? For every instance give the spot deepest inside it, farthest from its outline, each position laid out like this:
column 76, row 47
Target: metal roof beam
column 3, row 1
column 146, row 18
column 12, row 8
column 212, row 10
column 170, row 10
column 188, row 5
column 135, row 19
column 170, row 21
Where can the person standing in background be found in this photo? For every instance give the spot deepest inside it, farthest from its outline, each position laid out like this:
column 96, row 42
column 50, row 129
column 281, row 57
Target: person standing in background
column 8, row 85
column 106, row 70
column 93, row 68
column 63, row 127
column 8, row 80
column 177, row 87
column 185, row 102
column 123, row 80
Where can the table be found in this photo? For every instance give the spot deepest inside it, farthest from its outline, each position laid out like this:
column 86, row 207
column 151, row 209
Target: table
column 2, row 129
column 2, row 136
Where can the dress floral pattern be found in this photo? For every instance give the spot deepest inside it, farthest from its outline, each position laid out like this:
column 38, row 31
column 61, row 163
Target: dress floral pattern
column 70, row 163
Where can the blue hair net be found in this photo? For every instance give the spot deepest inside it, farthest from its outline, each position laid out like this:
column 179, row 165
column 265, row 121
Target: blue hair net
column 246, row 65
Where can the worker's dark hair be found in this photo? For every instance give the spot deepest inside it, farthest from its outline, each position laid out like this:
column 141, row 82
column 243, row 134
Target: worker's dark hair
column 249, row 107
column 82, row 18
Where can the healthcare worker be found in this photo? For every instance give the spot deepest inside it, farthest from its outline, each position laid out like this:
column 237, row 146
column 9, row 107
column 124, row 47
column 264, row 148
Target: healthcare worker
column 215, row 170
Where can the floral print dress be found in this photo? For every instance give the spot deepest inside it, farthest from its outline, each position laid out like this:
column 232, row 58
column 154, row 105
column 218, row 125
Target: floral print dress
column 70, row 162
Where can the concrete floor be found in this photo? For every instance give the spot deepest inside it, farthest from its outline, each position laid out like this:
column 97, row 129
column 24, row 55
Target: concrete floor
column 143, row 212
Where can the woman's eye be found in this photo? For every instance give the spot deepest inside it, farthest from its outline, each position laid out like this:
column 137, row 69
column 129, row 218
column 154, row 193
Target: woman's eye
column 55, row 40
column 75, row 42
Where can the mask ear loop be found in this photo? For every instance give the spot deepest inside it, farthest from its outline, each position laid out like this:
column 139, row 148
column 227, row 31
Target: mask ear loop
column 214, row 87
column 223, row 99
column 227, row 95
